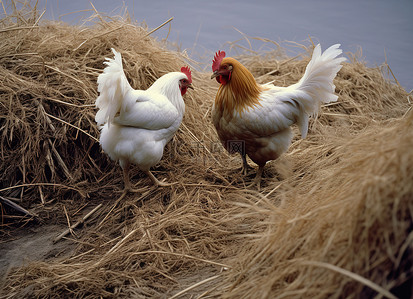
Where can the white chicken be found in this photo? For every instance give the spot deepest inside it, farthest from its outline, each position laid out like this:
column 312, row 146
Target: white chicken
column 137, row 124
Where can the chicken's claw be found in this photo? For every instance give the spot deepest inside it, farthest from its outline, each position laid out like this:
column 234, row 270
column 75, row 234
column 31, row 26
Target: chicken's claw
column 156, row 182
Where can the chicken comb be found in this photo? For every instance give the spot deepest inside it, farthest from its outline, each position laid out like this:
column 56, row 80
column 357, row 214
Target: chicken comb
column 187, row 71
column 216, row 62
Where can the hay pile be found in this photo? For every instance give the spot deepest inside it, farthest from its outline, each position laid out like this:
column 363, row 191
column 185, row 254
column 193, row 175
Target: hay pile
column 333, row 217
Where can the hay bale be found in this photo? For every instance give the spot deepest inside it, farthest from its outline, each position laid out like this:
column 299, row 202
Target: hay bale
column 340, row 199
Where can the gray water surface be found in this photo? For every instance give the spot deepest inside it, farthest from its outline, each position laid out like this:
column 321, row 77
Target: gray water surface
column 383, row 29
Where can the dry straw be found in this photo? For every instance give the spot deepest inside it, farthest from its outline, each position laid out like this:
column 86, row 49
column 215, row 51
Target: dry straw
column 333, row 218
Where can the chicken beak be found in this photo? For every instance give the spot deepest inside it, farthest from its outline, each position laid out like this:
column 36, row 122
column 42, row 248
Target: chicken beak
column 215, row 74
column 190, row 86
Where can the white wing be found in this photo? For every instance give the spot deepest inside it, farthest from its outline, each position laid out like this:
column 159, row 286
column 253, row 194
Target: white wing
column 147, row 110
column 276, row 112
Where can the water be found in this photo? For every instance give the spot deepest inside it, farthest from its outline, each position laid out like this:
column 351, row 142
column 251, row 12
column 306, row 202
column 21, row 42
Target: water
column 382, row 28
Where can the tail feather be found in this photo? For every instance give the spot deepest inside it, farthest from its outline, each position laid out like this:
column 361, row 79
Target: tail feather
column 318, row 77
column 112, row 86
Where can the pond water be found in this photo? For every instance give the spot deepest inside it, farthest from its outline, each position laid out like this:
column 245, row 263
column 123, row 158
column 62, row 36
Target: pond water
column 382, row 29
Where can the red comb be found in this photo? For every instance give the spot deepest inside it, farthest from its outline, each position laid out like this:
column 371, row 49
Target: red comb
column 216, row 62
column 187, row 71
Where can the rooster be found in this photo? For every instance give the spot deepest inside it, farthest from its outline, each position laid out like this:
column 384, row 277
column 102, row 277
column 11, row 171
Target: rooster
column 255, row 120
column 137, row 124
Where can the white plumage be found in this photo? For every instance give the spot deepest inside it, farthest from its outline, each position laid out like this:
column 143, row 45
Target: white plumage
column 137, row 124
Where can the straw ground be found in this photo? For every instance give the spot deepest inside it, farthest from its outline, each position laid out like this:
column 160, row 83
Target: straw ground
column 333, row 217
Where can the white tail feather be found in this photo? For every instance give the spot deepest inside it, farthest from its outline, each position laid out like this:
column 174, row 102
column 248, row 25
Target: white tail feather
column 112, row 86
column 318, row 77
column 316, row 84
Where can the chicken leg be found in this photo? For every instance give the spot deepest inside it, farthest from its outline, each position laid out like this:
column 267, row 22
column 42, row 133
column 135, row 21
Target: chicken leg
column 127, row 183
column 258, row 177
column 245, row 166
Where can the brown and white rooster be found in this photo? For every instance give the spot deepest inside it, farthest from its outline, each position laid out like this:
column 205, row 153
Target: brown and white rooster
column 258, row 118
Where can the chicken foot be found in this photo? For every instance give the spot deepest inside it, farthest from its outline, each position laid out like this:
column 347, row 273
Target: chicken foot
column 258, row 177
column 156, row 182
column 128, row 185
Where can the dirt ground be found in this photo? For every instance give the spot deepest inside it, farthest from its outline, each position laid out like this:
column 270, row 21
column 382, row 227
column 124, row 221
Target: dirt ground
column 32, row 243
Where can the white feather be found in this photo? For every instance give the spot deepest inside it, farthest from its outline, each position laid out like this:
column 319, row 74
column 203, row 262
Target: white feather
column 113, row 88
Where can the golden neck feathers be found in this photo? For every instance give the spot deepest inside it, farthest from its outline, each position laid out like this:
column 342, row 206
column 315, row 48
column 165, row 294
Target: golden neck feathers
column 240, row 92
